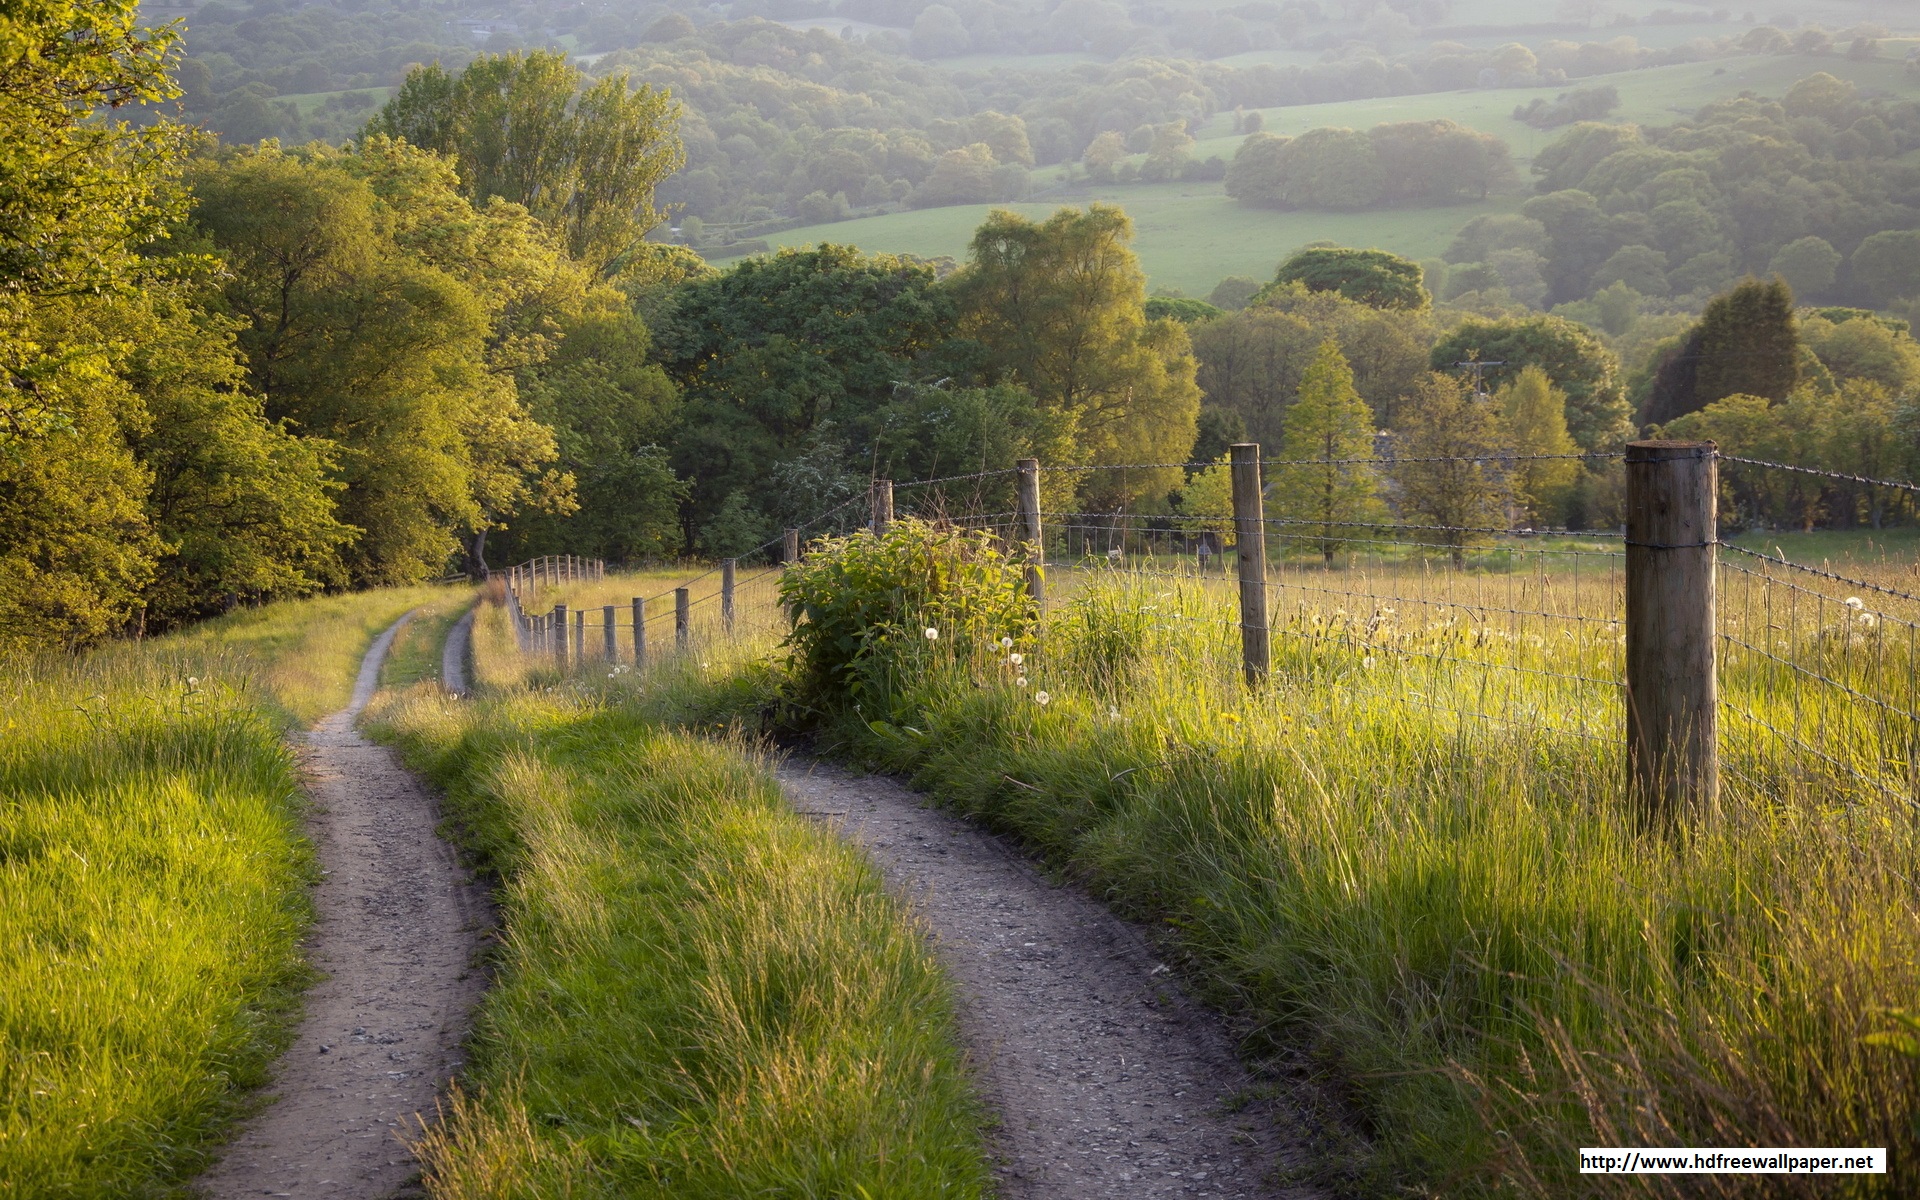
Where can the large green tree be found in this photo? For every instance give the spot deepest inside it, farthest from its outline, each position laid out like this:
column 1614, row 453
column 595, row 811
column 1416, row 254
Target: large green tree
column 1535, row 419
column 1375, row 278
column 1574, row 360
column 585, row 157
column 1059, row 307
column 794, row 353
column 1326, row 488
column 1747, row 342
column 1447, row 451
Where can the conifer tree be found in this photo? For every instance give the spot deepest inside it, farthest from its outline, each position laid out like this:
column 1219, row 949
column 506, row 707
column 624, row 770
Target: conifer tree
column 1327, row 430
column 1535, row 413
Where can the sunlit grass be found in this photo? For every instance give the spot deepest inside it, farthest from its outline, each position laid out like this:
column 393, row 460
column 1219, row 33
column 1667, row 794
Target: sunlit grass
column 699, row 993
column 153, row 887
column 1409, row 856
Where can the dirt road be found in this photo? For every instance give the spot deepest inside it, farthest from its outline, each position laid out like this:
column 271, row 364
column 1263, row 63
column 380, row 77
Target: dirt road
column 399, row 928
column 1107, row 1081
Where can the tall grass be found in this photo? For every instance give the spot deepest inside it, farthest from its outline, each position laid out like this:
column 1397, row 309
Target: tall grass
column 699, row 994
column 1413, row 865
column 153, row 888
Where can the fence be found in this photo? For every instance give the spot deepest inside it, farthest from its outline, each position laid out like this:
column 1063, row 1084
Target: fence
column 1689, row 655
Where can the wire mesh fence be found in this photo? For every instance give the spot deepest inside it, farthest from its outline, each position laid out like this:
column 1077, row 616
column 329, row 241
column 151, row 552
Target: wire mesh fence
column 1492, row 627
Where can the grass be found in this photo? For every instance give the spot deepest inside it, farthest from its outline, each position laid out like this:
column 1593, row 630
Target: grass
column 415, row 655
column 698, row 993
column 153, row 888
column 1411, row 865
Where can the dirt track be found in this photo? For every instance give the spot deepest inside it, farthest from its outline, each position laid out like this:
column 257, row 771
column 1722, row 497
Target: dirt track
column 1107, row 1081
column 400, row 924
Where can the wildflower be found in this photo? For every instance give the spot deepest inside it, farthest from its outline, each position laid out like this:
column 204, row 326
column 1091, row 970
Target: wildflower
column 1856, row 603
column 1041, row 698
column 1016, row 659
column 1113, row 713
column 1367, row 662
column 1020, row 682
column 193, row 681
column 933, row 635
column 1006, row 643
column 1230, row 718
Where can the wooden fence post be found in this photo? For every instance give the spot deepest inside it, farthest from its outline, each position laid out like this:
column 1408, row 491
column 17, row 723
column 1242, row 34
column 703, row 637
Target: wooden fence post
column 639, row 634
column 682, row 627
column 726, row 594
column 1672, row 693
column 580, row 636
column 1250, row 542
column 612, row 647
column 882, row 506
column 1031, row 532
column 559, row 619
column 790, row 547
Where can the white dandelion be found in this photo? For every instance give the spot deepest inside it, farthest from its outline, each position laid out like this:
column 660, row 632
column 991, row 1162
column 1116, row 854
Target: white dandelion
column 1020, row 682
column 933, row 635
column 1016, row 659
column 1041, row 698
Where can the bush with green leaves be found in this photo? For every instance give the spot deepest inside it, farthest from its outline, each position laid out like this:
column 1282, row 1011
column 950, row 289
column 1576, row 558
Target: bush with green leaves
column 864, row 605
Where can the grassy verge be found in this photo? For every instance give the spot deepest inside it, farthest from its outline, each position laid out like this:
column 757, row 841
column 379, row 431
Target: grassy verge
column 699, row 994
column 153, row 888
column 1456, row 920
column 415, row 655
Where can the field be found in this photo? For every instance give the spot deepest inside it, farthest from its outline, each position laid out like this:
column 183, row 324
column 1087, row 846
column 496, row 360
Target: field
column 1408, row 861
column 153, row 885
column 1190, row 236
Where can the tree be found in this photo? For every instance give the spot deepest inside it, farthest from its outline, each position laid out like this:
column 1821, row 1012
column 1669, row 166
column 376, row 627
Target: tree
column 1809, row 265
column 1854, row 344
column 777, row 349
column 1375, row 278
column 1059, row 308
column 939, row 33
column 78, row 192
column 1535, row 416
column 378, row 310
column 1325, row 488
column 1574, row 360
column 1446, row 453
column 1258, row 174
column 523, row 128
column 1745, row 343
column 1206, row 502
column 1234, row 292
column 1887, row 264
column 1103, row 154
column 1336, row 169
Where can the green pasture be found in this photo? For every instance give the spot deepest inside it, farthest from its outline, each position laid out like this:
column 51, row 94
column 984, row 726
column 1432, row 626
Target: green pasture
column 1188, row 235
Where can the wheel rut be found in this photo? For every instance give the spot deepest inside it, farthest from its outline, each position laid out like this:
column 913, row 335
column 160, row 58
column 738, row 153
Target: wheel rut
column 1107, row 1081
column 398, row 930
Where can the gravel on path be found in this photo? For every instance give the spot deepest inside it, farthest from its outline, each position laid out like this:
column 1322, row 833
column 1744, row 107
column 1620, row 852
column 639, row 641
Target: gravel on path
column 399, row 928
column 1106, row 1080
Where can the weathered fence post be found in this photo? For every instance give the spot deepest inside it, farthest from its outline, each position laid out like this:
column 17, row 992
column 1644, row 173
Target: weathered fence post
column 682, row 627
column 1250, row 542
column 639, row 634
column 726, row 594
column 611, row 646
column 790, row 547
column 559, row 619
column 882, row 506
column 580, row 636
column 1672, row 694
column 1031, row 532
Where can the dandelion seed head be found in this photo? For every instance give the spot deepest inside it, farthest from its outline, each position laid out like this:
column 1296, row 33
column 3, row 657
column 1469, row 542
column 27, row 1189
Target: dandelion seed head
column 1006, row 643
column 1041, row 698
column 1020, row 682
column 1016, row 659
column 1856, row 603
column 933, row 635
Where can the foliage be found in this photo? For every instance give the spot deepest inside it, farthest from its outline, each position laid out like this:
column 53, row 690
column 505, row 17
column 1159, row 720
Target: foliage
column 583, row 157
column 1206, row 502
column 1184, row 309
column 1327, row 489
column 861, row 606
column 1412, row 163
column 380, row 311
column 1251, row 362
column 1534, row 414
column 1580, row 104
column 1447, row 452
column 1574, row 360
column 789, row 351
column 1374, row 278
column 1059, row 308
column 1745, row 343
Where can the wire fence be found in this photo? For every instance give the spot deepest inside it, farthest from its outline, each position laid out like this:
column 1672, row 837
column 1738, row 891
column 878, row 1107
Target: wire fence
column 1812, row 673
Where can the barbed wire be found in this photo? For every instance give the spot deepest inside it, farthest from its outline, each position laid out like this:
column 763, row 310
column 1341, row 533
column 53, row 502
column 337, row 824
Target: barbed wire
column 1759, row 462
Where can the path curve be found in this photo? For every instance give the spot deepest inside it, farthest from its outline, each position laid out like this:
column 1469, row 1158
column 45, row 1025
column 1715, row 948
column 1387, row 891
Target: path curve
column 453, row 655
column 399, row 927
column 1107, row 1081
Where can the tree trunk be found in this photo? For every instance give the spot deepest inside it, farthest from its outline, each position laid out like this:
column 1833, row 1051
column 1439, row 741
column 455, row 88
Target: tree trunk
column 477, row 556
